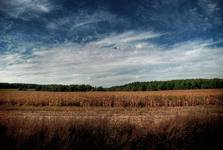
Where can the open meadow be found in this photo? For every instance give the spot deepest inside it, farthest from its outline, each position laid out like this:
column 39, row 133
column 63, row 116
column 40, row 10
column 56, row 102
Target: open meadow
column 177, row 119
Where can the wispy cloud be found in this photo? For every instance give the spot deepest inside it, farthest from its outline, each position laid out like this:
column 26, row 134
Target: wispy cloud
column 128, row 37
column 98, row 64
column 208, row 6
column 25, row 9
column 84, row 26
column 80, row 19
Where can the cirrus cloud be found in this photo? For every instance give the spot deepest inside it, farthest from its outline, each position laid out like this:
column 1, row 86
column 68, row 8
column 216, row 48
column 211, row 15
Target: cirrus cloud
column 25, row 9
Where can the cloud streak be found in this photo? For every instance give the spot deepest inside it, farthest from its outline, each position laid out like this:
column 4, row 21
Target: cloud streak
column 80, row 19
column 25, row 9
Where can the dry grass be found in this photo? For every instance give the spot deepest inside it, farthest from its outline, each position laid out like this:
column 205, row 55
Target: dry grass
column 135, row 115
column 188, row 132
column 113, row 99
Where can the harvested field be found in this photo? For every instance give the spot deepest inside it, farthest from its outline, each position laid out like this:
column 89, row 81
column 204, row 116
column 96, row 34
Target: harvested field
column 113, row 99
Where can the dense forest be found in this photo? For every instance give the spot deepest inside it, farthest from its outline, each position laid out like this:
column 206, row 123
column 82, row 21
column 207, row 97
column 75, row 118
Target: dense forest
column 135, row 86
column 171, row 85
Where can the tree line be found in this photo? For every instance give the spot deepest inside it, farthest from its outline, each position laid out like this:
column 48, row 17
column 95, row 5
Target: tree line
column 50, row 87
column 171, row 85
column 135, row 86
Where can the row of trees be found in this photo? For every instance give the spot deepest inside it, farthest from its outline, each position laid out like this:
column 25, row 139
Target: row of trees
column 171, row 85
column 50, row 87
column 135, row 86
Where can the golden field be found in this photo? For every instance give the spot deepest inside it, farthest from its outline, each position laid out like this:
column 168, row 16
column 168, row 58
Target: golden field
column 113, row 99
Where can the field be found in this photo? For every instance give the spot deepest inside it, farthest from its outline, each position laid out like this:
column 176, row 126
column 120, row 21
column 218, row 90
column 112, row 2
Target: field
column 180, row 119
column 113, row 99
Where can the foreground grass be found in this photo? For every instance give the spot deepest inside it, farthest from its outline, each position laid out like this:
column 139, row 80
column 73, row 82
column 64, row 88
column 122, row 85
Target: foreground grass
column 68, row 128
column 178, row 133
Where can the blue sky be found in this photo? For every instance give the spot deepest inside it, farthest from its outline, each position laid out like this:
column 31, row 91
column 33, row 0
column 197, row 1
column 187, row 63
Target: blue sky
column 110, row 42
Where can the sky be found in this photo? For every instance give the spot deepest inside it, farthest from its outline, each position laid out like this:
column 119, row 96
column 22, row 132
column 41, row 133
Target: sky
column 110, row 42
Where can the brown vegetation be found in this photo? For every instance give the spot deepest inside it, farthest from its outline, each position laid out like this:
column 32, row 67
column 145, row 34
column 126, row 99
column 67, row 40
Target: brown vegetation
column 182, row 119
column 100, row 133
column 134, row 115
column 113, row 99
